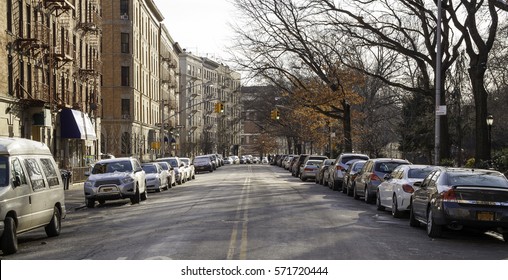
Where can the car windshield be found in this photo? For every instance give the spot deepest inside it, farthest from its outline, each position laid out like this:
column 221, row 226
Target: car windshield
column 149, row 168
column 419, row 173
column 348, row 158
column 477, row 179
column 173, row 162
column 386, row 167
column 164, row 165
column 185, row 160
column 357, row 167
column 111, row 167
column 314, row 162
column 201, row 160
column 4, row 171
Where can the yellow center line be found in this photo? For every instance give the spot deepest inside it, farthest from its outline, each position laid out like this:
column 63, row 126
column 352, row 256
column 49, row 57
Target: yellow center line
column 242, row 208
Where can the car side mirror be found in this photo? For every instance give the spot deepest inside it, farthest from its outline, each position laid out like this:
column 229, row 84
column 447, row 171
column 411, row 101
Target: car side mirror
column 16, row 182
column 87, row 173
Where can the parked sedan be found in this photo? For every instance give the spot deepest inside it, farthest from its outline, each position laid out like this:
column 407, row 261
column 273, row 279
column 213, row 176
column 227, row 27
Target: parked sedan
column 337, row 171
column 395, row 192
column 156, row 177
column 170, row 173
column 189, row 166
column 309, row 169
column 458, row 197
column 177, row 165
column 203, row 163
column 372, row 174
column 322, row 173
column 350, row 176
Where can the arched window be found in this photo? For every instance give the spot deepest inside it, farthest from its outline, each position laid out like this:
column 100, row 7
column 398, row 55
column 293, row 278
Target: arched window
column 103, row 143
column 126, row 143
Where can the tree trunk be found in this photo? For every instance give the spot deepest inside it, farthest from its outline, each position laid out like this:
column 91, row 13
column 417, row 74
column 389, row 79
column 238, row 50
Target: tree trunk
column 346, row 126
column 476, row 75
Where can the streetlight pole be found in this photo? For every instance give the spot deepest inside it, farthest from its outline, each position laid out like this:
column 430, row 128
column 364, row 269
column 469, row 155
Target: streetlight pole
column 490, row 121
column 438, row 86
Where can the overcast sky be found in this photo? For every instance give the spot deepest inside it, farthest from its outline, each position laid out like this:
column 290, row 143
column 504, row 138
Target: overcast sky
column 200, row 26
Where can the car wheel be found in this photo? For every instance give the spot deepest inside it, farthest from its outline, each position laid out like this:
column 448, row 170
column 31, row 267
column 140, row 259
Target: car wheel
column 9, row 240
column 90, row 202
column 193, row 176
column 433, row 230
column 412, row 219
column 54, row 226
column 144, row 195
column 303, row 178
column 349, row 191
column 344, row 187
column 395, row 208
column 505, row 234
column 378, row 202
column 137, row 196
column 355, row 194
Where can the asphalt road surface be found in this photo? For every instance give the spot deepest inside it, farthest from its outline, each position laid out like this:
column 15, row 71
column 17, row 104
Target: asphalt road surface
column 247, row 212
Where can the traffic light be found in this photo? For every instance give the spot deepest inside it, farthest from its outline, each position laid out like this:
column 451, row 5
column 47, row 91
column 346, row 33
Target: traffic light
column 219, row 107
column 275, row 114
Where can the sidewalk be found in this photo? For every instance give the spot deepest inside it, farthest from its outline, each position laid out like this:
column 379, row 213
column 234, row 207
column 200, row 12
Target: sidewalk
column 74, row 197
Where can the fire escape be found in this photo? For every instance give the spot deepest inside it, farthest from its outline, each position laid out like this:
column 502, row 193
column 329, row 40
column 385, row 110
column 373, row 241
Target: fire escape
column 88, row 66
column 38, row 46
column 168, row 63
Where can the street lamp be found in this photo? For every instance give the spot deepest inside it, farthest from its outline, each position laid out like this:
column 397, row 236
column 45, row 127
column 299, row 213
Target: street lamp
column 490, row 121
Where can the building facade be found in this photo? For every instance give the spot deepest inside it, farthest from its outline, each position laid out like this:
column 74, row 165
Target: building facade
column 50, row 52
column 131, row 85
column 205, row 84
column 93, row 77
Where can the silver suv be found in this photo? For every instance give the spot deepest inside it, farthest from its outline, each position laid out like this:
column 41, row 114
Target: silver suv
column 112, row 179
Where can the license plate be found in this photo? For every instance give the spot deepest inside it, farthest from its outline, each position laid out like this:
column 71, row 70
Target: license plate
column 485, row 216
column 106, row 189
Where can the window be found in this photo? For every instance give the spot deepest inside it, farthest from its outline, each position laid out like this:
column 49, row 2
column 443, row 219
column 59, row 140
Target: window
column 125, row 76
column 9, row 16
column 35, row 174
column 50, row 172
column 124, row 7
column 126, row 107
column 125, row 42
column 17, row 171
column 126, row 143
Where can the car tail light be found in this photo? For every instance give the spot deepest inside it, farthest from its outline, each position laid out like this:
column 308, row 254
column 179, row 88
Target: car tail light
column 374, row 177
column 407, row 188
column 449, row 195
column 308, row 169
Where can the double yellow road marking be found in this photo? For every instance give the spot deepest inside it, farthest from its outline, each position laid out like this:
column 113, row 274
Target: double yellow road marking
column 241, row 218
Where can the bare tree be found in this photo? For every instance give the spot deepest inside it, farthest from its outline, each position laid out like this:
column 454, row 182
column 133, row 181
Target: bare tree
column 281, row 41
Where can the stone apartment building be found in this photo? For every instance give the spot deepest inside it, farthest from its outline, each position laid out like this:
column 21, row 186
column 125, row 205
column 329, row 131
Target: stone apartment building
column 50, row 92
column 93, row 77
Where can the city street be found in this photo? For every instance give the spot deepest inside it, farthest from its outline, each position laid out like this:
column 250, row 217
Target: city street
column 246, row 212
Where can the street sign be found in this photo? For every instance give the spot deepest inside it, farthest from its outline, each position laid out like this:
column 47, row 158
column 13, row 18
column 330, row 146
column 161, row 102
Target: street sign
column 441, row 110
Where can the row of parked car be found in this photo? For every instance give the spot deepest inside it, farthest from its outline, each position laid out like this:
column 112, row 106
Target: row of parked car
column 435, row 196
column 120, row 178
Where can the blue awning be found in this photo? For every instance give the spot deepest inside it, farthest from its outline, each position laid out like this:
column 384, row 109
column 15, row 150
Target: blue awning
column 75, row 124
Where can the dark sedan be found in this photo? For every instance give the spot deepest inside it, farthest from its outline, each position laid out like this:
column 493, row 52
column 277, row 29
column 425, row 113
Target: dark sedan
column 458, row 197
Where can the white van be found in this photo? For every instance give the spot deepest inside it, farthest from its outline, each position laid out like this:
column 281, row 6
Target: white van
column 31, row 191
